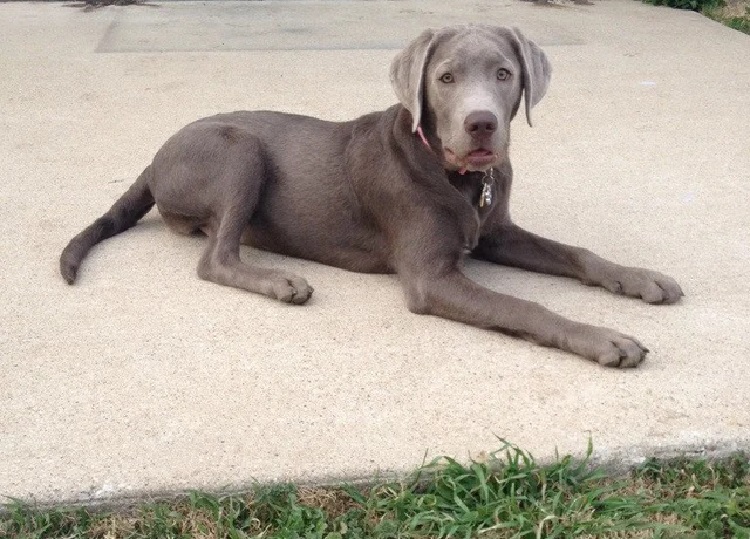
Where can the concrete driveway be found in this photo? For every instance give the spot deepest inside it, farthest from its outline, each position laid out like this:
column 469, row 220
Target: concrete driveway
column 144, row 379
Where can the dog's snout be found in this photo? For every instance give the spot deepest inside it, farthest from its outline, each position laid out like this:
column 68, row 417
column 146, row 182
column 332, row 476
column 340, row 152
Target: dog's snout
column 480, row 123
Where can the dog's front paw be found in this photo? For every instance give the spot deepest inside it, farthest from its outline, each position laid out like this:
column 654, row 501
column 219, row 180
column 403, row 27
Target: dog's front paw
column 650, row 286
column 607, row 347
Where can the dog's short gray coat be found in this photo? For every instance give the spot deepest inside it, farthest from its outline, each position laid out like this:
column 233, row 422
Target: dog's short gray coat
column 402, row 190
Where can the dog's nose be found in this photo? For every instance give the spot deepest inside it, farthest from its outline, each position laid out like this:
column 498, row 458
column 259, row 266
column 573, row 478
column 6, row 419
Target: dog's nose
column 480, row 123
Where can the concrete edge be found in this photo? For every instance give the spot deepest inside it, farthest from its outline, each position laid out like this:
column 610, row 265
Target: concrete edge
column 617, row 462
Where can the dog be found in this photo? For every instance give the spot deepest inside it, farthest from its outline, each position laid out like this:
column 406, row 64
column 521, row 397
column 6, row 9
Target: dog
column 412, row 189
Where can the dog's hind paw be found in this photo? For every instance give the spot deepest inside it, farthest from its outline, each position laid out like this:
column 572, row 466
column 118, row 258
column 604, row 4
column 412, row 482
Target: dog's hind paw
column 292, row 289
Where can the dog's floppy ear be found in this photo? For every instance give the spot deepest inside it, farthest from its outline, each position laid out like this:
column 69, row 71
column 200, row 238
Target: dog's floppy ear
column 537, row 70
column 407, row 74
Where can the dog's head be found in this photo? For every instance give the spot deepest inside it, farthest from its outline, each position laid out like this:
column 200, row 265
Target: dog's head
column 464, row 84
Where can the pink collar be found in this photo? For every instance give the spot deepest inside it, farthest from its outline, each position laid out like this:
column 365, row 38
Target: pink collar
column 420, row 133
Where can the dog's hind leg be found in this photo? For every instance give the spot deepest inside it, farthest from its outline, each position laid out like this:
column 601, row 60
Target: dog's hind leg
column 221, row 262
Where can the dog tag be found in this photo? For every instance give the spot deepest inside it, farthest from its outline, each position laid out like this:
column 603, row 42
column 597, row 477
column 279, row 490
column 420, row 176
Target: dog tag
column 485, row 199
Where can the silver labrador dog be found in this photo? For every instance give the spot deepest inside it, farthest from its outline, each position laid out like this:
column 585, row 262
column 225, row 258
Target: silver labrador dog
column 411, row 189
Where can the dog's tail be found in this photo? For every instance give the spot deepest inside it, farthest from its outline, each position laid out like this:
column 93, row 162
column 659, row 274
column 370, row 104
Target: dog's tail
column 129, row 208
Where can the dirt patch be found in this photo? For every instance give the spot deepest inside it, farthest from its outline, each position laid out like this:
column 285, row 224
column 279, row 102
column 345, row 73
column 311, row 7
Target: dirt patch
column 734, row 8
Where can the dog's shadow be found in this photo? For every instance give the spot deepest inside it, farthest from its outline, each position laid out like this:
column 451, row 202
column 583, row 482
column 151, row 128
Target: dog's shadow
column 91, row 5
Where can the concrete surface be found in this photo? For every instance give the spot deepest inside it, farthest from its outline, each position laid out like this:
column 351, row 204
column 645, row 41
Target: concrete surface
column 143, row 379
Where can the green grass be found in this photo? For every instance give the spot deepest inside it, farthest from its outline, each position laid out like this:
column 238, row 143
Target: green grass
column 731, row 19
column 507, row 495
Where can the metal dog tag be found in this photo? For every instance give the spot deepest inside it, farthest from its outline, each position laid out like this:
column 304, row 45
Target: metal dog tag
column 485, row 199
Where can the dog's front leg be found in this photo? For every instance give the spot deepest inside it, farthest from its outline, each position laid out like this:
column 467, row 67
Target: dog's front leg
column 452, row 295
column 513, row 246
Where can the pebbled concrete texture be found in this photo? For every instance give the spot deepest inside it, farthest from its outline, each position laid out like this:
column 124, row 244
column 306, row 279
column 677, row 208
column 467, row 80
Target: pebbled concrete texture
column 142, row 379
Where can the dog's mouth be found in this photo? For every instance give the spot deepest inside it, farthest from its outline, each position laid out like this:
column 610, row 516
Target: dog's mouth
column 479, row 159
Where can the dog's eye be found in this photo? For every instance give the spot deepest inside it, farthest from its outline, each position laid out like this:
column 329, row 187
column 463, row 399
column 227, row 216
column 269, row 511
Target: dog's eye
column 503, row 74
column 446, row 78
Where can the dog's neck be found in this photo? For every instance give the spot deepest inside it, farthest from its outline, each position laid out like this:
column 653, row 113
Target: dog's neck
column 485, row 177
column 478, row 186
column 420, row 133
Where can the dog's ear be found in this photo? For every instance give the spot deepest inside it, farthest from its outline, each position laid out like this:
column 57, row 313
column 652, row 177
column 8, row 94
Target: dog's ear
column 537, row 70
column 407, row 74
